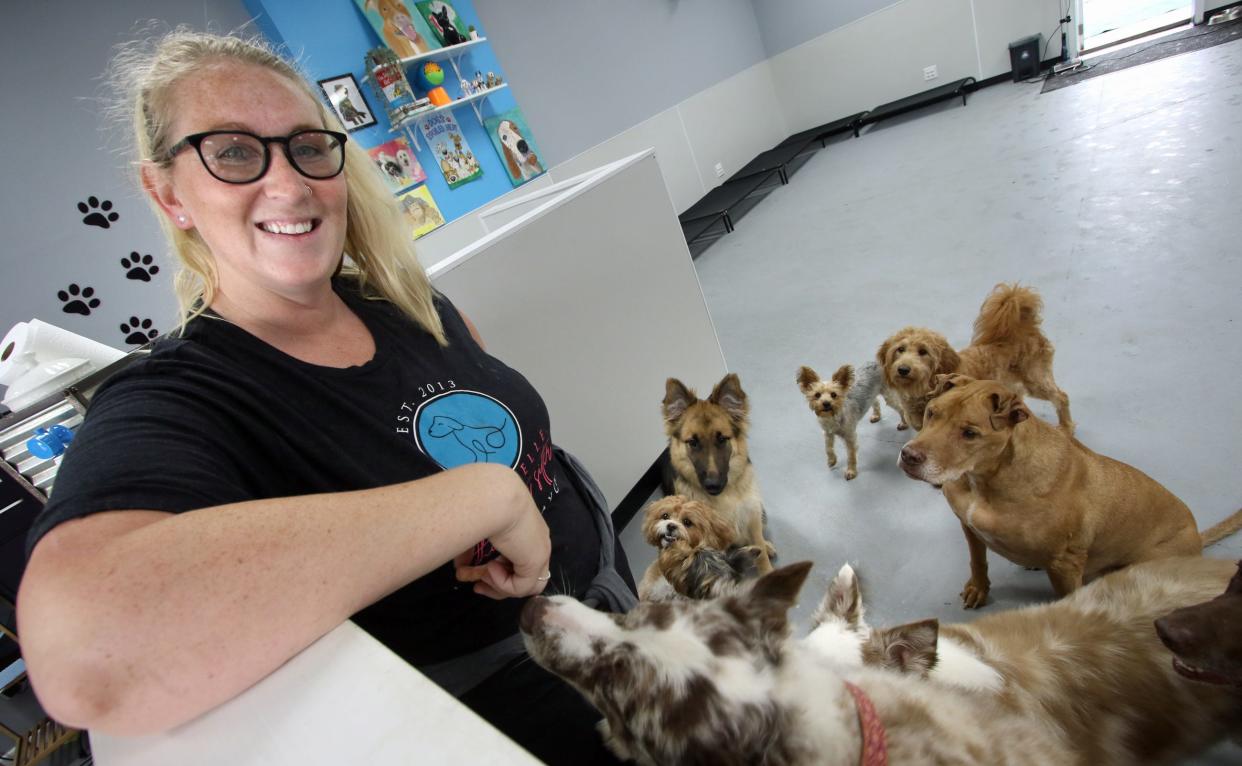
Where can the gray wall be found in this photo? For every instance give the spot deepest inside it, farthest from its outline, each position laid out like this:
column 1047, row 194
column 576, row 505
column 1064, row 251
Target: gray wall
column 784, row 24
column 585, row 70
column 56, row 157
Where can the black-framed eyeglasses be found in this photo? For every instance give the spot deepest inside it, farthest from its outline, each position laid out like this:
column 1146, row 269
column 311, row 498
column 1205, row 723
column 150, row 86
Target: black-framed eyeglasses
column 239, row 157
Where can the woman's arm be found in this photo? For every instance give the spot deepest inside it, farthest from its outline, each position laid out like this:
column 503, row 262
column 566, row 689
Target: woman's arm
column 133, row 622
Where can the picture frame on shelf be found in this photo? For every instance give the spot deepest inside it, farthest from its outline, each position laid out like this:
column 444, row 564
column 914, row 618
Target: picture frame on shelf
column 400, row 26
column 347, row 101
column 445, row 22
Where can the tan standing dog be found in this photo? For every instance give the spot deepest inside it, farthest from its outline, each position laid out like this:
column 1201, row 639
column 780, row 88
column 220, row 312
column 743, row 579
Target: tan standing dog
column 1007, row 346
column 1036, row 495
column 709, row 458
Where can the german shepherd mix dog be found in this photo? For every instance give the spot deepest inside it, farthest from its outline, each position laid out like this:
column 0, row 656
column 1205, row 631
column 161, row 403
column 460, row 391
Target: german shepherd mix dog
column 719, row 682
column 1088, row 666
column 1206, row 639
column 709, row 460
column 1007, row 346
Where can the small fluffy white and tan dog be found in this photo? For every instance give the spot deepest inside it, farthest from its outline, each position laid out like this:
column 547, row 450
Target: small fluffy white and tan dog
column 719, row 682
column 839, row 403
column 519, row 155
column 1090, row 666
column 678, row 519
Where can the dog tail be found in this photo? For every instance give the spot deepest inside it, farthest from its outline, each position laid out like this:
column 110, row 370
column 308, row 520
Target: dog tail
column 1218, row 532
column 1009, row 312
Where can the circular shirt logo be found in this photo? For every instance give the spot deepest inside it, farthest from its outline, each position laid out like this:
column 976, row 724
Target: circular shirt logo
column 462, row 427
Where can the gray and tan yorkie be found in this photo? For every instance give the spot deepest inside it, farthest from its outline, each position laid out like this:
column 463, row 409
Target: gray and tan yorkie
column 839, row 403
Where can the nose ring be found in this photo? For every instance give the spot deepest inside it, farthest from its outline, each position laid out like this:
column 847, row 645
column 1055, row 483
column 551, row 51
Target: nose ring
column 308, row 190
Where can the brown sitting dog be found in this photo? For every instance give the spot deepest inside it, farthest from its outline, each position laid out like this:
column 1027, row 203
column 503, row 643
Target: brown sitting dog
column 1037, row 496
column 1206, row 639
column 1007, row 346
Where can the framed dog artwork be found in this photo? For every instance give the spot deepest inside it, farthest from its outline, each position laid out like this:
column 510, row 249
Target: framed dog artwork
column 449, row 149
column 399, row 25
column 347, row 101
column 515, row 144
column 397, row 164
column 421, row 211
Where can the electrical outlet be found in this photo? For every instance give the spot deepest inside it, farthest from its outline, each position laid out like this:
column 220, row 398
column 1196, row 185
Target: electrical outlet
column 719, row 170
column 929, row 72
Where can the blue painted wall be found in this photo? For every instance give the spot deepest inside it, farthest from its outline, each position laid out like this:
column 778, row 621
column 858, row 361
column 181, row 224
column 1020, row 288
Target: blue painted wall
column 331, row 38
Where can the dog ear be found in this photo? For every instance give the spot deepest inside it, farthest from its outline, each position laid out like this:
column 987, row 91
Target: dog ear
column 907, row 648
column 1008, row 410
column 718, row 531
column 779, row 588
column 807, row 378
column 844, row 376
column 947, row 359
column 943, row 382
column 729, row 395
column 677, row 399
column 744, row 560
column 843, row 599
column 881, row 354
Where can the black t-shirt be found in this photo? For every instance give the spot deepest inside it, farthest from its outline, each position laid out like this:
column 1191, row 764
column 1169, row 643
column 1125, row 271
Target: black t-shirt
column 218, row 416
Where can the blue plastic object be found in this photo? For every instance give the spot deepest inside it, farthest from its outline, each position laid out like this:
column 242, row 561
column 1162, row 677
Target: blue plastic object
column 48, row 443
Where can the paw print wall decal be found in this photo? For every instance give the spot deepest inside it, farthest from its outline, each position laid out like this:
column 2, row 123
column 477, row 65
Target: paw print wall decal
column 137, row 331
column 139, row 267
column 78, row 300
column 98, row 213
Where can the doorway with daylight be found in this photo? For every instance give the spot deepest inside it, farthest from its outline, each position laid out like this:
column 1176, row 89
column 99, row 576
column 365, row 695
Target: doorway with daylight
column 1104, row 23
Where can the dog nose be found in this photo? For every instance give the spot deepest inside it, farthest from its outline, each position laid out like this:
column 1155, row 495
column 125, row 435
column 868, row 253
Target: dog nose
column 713, row 484
column 1171, row 634
column 911, row 456
column 532, row 614
column 903, row 370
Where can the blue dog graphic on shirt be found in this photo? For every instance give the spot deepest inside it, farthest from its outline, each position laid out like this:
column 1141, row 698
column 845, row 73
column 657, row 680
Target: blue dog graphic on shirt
column 480, row 440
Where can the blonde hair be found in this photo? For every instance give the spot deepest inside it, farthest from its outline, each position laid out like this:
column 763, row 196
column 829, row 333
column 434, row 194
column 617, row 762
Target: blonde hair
column 144, row 76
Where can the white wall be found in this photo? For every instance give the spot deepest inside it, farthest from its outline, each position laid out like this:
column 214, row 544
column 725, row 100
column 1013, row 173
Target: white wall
column 729, row 122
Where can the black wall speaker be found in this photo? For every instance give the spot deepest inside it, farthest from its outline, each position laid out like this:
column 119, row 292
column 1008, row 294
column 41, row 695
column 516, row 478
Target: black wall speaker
column 1024, row 57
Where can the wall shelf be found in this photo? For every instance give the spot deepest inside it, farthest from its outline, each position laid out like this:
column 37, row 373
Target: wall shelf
column 410, row 124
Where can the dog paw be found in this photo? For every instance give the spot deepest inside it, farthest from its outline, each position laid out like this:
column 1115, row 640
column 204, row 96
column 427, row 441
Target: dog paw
column 875, row 419
column 902, row 426
column 850, row 474
column 974, row 595
column 770, row 549
column 832, row 461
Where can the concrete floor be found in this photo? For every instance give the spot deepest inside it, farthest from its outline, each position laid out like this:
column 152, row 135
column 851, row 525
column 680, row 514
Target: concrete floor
column 1116, row 198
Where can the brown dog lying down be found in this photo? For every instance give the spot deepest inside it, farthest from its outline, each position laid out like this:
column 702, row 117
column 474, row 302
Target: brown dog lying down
column 1036, row 495
column 1007, row 346
column 1206, row 639
column 1089, row 666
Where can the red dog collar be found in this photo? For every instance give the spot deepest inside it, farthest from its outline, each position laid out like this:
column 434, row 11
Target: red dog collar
column 874, row 744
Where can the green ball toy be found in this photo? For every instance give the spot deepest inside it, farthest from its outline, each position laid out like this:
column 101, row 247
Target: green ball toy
column 431, row 75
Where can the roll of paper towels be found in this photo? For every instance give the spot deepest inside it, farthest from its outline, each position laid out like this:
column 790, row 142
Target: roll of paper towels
column 32, row 346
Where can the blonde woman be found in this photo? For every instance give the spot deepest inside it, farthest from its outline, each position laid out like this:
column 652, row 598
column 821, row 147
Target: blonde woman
column 317, row 443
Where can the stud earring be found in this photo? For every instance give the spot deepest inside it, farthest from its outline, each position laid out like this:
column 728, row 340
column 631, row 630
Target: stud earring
column 308, row 190
column 180, row 219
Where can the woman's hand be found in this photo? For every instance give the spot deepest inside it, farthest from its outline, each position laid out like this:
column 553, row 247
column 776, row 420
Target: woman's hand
column 521, row 569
